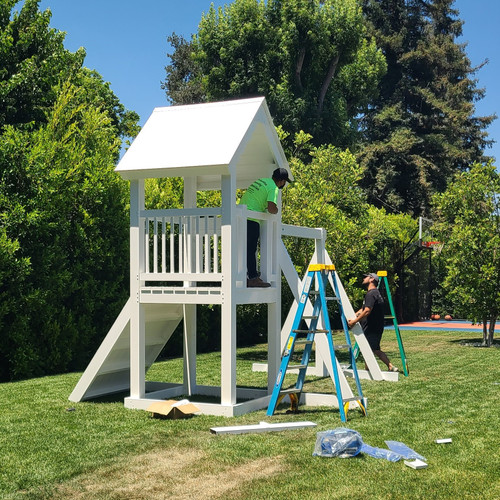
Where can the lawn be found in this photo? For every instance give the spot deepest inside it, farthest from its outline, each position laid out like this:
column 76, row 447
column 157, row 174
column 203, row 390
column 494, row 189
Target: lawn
column 51, row 448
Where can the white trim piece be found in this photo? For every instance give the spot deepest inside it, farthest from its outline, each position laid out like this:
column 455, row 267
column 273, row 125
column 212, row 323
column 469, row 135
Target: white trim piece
column 261, row 427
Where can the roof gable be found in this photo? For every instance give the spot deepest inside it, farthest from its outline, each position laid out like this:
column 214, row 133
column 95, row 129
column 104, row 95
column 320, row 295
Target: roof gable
column 206, row 140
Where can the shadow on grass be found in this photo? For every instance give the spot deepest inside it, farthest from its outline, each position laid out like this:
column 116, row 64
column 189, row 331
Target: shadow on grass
column 475, row 342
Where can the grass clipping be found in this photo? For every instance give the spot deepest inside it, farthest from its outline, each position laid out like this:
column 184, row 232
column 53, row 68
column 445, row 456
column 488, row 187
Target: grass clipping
column 167, row 474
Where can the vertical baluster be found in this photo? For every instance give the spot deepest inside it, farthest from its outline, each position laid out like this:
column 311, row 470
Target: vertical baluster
column 206, row 244
column 163, row 249
column 216, row 245
column 155, row 245
column 197, row 242
column 172, row 245
column 182, row 235
column 146, row 245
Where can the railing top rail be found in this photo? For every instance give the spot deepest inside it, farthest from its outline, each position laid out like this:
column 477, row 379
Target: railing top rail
column 313, row 233
column 179, row 212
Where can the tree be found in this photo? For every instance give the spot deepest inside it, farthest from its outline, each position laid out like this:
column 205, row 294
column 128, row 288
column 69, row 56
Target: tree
column 326, row 193
column 65, row 225
column 468, row 215
column 34, row 62
column 311, row 60
column 421, row 129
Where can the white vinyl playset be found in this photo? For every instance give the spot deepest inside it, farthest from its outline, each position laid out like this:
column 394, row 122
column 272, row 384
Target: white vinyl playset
column 184, row 257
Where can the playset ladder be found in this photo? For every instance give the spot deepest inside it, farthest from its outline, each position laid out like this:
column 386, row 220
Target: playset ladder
column 318, row 273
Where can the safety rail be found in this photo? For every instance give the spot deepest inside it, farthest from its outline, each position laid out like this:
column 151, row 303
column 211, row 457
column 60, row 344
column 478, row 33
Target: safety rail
column 182, row 244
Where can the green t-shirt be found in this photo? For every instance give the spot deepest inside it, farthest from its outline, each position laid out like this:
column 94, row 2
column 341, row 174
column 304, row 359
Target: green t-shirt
column 259, row 193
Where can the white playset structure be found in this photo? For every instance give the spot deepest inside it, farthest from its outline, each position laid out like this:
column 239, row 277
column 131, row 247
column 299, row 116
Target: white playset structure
column 174, row 254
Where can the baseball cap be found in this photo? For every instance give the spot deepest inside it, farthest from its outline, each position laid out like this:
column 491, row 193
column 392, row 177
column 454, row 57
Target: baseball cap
column 371, row 275
column 281, row 174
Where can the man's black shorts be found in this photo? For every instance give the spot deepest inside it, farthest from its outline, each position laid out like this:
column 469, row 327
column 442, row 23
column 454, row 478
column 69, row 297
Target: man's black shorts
column 374, row 339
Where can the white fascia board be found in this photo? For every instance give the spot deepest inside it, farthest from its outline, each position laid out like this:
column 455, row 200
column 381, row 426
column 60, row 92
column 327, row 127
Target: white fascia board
column 187, row 171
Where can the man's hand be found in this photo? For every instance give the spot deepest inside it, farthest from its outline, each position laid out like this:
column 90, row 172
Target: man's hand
column 351, row 323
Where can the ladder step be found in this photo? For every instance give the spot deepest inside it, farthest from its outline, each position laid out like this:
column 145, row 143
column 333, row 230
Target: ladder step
column 318, row 330
column 303, row 342
column 310, row 317
column 299, row 367
column 355, row 398
column 332, row 298
column 291, row 390
column 342, row 346
column 389, row 317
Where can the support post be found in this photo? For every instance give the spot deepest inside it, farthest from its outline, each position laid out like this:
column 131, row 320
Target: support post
column 189, row 349
column 189, row 310
column 228, row 309
column 137, row 316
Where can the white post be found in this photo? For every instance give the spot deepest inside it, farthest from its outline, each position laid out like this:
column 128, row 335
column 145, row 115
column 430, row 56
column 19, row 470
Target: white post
column 189, row 310
column 137, row 316
column 228, row 309
column 189, row 348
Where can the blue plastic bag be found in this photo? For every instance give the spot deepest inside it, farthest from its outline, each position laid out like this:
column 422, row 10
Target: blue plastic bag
column 403, row 450
column 380, row 453
column 340, row 442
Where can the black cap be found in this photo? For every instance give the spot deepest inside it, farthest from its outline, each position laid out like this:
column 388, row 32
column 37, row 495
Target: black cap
column 281, row 174
column 372, row 275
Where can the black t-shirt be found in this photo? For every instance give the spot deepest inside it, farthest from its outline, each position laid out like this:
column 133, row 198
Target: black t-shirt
column 374, row 322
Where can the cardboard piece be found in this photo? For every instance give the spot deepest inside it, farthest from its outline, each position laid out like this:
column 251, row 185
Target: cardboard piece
column 173, row 409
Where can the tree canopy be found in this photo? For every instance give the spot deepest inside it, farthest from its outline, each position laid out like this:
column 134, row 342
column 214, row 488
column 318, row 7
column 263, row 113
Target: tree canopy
column 63, row 217
column 422, row 127
column 468, row 222
column 311, row 59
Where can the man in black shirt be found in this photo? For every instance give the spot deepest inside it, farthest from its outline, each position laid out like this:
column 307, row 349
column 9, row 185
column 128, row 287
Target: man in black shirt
column 371, row 318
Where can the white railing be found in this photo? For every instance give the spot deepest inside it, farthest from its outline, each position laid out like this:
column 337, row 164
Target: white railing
column 182, row 245
column 185, row 244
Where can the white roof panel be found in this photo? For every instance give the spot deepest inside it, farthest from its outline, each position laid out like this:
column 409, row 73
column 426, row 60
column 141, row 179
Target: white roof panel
column 206, row 141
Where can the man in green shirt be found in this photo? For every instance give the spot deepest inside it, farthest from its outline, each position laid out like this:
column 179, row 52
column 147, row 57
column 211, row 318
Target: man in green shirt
column 260, row 196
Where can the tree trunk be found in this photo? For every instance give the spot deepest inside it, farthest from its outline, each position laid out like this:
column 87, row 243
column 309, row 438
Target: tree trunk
column 298, row 68
column 485, row 332
column 327, row 81
column 493, row 321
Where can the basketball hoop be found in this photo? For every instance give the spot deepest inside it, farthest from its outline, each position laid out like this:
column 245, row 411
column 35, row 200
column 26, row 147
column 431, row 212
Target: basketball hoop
column 433, row 245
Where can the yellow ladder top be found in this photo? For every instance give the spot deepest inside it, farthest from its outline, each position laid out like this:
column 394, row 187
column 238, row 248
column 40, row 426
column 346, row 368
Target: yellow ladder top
column 381, row 273
column 321, row 267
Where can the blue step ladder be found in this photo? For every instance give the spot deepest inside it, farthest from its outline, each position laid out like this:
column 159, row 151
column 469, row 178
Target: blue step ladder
column 318, row 273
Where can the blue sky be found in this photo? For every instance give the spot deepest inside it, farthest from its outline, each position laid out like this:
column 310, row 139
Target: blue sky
column 125, row 41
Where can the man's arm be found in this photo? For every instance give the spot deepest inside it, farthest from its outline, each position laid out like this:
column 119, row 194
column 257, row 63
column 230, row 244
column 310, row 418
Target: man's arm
column 272, row 208
column 362, row 313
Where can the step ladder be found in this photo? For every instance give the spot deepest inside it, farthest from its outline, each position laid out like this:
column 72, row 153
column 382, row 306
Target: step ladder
column 318, row 273
column 384, row 283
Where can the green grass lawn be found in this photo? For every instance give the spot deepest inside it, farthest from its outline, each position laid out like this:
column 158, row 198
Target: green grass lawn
column 102, row 450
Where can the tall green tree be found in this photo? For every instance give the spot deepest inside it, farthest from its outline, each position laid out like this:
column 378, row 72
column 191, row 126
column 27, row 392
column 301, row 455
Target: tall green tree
column 311, row 59
column 33, row 62
column 63, row 209
column 468, row 222
column 422, row 127
column 63, row 217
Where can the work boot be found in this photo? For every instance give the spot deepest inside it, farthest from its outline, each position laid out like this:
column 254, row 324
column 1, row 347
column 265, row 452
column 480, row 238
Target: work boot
column 257, row 283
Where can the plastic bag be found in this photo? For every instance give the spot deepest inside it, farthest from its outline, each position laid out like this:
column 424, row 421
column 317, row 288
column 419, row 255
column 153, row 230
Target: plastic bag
column 392, row 456
column 403, row 450
column 340, row 442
